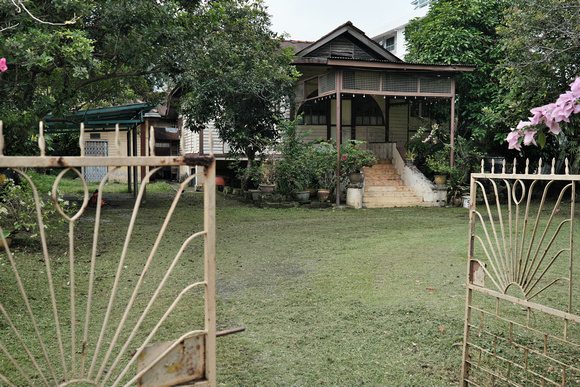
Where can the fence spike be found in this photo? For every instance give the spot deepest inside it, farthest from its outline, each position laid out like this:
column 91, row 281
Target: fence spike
column 553, row 166
column 151, row 141
column 503, row 166
column 1, row 138
column 82, row 139
column 540, row 166
column 482, row 166
column 514, row 168
column 492, row 166
column 528, row 165
column 41, row 143
column 117, row 139
column 567, row 166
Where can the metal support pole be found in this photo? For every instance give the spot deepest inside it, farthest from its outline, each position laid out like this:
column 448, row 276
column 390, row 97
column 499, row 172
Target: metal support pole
column 129, row 177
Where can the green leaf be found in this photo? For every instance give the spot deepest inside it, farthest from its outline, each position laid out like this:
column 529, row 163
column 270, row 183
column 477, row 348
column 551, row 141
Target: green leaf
column 542, row 139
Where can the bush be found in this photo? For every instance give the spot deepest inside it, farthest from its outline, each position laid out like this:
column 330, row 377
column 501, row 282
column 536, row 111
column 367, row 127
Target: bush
column 18, row 211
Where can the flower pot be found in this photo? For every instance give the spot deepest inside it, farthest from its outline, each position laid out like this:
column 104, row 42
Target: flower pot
column 466, row 200
column 8, row 240
column 302, row 196
column 311, row 191
column 440, row 179
column 323, row 194
column 267, row 188
column 255, row 194
column 355, row 177
column 220, row 180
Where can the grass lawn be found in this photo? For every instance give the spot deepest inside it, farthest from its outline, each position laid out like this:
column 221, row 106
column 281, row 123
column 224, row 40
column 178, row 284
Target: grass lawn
column 327, row 297
column 341, row 297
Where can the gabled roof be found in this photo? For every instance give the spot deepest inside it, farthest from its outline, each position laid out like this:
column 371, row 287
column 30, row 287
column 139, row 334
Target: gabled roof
column 347, row 41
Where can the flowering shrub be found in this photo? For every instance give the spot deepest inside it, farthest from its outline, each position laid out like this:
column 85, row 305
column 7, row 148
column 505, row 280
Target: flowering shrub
column 18, row 209
column 353, row 158
column 549, row 116
column 434, row 153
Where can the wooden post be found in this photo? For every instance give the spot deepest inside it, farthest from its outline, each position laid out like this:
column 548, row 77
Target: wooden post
column 210, row 276
column 144, row 130
column 129, row 179
column 452, row 125
column 135, row 184
column 338, row 81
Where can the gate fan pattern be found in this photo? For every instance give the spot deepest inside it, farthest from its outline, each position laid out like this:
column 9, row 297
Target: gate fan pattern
column 87, row 319
column 522, row 323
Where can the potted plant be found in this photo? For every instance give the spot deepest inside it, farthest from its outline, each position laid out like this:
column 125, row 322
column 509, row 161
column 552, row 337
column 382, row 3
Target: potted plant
column 268, row 176
column 353, row 158
column 410, row 157
column 324, row 168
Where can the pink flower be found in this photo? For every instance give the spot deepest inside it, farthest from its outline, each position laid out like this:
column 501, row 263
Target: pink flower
column 513, row 139
column 575, row 87
column 529, row 137
column 3, row 66
column 523, row 124
column 538, row 116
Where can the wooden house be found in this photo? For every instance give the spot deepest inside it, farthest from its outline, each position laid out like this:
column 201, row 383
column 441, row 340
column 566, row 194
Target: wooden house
column 352, row 88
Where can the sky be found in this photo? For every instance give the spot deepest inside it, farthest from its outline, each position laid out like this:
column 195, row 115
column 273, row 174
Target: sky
column 312, row 19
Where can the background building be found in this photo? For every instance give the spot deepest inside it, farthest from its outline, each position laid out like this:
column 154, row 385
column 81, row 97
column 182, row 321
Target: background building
column 393, row 37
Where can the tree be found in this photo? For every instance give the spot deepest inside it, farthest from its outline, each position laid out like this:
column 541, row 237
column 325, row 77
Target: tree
column 541, row 43
column 71, row 55
column 463, row 31
column 245, row 82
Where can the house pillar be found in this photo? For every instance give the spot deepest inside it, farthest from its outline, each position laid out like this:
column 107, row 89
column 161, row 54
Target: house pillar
column 129, row 178
column 338, row 86
column 452, row 125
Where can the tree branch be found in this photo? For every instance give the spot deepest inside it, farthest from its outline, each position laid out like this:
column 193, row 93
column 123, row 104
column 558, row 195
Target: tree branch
column 85, row 82
column 18, row 4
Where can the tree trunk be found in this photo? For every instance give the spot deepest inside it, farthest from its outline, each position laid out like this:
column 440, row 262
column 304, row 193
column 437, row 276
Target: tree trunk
column 247, row 174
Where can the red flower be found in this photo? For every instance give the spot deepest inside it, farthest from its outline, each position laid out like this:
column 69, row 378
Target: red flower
column 344, row 158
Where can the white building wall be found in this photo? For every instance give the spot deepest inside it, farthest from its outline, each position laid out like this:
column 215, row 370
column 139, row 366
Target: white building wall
column 396, row 28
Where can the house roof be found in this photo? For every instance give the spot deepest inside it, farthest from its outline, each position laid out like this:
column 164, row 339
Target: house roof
column 347, row 41
column 348, row 46
column 298, row 45
column 103, row 118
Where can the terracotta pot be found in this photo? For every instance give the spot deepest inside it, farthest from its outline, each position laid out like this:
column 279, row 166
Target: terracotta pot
column 219, row 180
column 8, row 241
column 323, row 194
column 267, row 188
column 440, row 179
column 355, row 177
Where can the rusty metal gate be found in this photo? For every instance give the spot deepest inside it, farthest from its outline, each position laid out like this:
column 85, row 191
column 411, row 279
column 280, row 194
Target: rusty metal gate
column 99, row 322
column 522, row 315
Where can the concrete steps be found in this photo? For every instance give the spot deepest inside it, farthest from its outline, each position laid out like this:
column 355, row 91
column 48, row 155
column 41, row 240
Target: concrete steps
column 383, row 188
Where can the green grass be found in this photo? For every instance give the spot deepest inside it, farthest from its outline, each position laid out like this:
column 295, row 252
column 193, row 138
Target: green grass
column 327, row 297
column 70, row 184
